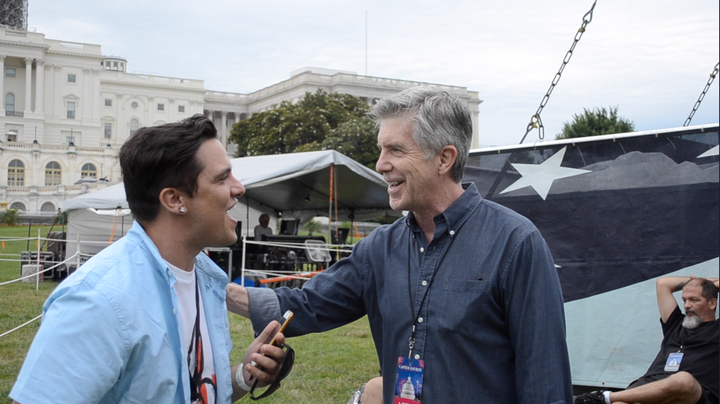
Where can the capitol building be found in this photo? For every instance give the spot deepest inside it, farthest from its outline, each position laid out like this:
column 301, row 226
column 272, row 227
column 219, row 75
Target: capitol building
column 69, row 108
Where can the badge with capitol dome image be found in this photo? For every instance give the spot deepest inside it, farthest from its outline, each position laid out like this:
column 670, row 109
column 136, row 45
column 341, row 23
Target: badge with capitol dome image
column 408, row 385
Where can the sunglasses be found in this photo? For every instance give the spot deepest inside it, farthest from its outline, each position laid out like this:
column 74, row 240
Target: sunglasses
column 285, row 368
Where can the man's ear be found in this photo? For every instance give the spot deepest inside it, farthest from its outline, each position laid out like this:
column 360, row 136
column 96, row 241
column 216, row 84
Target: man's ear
column 172, row 200
column 448, row 155
column 713, row 304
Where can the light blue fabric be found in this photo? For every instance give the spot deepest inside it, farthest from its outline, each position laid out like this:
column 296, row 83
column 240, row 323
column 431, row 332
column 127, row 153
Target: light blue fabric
column 493, row 328
column 110, row 332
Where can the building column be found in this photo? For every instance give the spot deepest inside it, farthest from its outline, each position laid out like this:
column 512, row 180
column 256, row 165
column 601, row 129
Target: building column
column 39, row 85
column 57, row 93
column 223, row 124
column 28, row 85
column 96, row 96
column 87, row 95
column 2, row 82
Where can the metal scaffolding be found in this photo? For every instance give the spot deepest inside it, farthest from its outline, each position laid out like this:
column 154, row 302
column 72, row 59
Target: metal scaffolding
column 14, row 13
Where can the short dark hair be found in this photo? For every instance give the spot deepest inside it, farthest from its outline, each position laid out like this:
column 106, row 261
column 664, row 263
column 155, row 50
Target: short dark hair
column 439, row 119
column 162, row 156
column 709, row 290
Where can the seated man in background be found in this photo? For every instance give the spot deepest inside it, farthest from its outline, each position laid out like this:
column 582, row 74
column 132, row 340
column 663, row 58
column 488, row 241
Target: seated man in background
column 263, row 227
column 686, row 369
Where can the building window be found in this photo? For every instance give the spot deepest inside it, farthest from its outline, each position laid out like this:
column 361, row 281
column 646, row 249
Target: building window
column 12, row 135
column 161, row 107
column 134, row 126
column 108, row 131
column 134, row 105
column 108, row 102
column 88, row 170
column 10, row 72
column 70, row 110
column 47, row 207
column 71, row 78
column 9, row 103
column 52, row 173
column 181, row 108
column 17, row 206
column 16, row 173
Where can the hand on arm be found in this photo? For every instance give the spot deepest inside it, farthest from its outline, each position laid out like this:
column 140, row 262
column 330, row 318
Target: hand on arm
column 665, row 288
column 237, row 300
column 267, row 357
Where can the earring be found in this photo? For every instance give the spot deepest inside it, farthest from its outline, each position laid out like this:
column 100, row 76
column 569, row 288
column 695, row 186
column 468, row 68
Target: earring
column 183, row 210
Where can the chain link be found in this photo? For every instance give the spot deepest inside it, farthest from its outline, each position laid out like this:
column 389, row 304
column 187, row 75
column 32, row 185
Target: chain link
column 535, row 121
column 702, row 94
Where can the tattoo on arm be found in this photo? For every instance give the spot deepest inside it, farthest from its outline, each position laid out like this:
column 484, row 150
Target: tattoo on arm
column 679, row 286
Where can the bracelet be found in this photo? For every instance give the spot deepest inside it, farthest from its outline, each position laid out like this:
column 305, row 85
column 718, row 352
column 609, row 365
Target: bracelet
column 240, row 379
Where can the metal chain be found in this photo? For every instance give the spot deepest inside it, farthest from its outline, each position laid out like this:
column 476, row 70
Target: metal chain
column 702, row 94
column 535, row 121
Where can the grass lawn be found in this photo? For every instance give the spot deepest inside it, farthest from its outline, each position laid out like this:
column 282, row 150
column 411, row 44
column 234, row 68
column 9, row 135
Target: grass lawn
column 328, row 366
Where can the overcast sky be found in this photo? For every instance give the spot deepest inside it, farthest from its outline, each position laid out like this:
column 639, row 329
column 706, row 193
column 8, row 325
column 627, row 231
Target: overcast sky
column 650, row 59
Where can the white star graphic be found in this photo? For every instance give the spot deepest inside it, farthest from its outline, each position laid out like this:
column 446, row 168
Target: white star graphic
column 541, row 176
column 711, row 152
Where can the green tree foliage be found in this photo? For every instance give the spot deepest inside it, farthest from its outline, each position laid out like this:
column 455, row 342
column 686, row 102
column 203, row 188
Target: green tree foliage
column 319, row 121
column 10, row 217
column 312, row 227
column 599, row 121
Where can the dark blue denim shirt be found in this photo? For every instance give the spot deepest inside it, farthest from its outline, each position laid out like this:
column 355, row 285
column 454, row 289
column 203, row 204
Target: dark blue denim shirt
column 492, row 327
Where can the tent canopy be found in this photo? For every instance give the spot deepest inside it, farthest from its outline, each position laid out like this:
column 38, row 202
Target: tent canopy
column 296, row 184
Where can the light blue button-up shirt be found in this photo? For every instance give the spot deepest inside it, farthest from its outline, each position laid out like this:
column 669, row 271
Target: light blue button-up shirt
column 110, row 332
column 491, row 329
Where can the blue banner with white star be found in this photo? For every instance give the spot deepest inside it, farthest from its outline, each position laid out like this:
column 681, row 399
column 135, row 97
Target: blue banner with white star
column 614, row 210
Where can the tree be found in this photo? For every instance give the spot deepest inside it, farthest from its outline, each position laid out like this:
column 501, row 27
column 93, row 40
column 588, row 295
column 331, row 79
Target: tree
column 599, row 121
column 312, row 227
column 10, row 217
column 319, row 121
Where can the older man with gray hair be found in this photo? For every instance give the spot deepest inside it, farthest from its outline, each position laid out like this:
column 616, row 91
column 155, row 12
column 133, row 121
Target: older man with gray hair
column 462, row 296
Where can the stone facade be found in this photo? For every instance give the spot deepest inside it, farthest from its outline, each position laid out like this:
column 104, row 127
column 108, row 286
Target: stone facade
column 69, row 108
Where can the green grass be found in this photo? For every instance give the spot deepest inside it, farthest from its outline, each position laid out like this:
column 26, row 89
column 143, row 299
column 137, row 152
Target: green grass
column 328, row 366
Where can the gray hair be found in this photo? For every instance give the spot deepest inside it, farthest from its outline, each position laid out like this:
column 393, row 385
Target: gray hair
column 439, row 119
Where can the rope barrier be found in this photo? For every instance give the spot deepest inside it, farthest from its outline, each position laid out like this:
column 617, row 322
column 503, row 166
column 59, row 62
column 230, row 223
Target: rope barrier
column 19, row 327
column 39, row 272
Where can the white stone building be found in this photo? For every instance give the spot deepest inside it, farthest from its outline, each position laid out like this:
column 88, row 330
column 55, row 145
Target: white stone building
column 69, row 108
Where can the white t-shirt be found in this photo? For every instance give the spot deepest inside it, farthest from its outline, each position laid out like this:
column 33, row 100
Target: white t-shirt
column 184, row 286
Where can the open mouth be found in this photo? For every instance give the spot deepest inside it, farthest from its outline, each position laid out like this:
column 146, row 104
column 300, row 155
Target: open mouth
column 395, row 184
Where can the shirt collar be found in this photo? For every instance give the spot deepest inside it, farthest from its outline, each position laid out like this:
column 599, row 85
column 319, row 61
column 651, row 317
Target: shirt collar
column 454, row 216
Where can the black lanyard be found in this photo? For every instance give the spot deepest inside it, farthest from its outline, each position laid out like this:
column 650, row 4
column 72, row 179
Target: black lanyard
column 196, row 379
column 411, row 341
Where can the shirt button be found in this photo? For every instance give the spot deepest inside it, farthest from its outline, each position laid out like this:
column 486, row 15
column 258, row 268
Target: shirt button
column 174, row 310
column 420, row 320
column 452, row 232
column 417, row 356
column 422, row 249
column 424, row 283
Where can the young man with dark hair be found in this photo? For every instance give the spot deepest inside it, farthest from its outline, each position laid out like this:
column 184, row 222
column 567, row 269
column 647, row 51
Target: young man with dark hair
column 145, row 320
column 686, row 369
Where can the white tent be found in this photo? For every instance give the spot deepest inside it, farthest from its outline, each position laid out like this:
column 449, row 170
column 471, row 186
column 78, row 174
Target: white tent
column 293, row 185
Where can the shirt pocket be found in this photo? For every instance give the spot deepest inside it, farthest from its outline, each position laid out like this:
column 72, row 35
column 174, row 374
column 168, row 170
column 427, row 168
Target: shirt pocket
column 463, row 303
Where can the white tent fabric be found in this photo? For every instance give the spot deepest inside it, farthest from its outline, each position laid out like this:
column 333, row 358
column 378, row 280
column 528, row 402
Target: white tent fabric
column 286, row 183
column 95, row 229
column 295, row 185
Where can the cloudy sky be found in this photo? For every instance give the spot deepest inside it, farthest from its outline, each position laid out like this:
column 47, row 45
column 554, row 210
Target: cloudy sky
column 650, row 59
